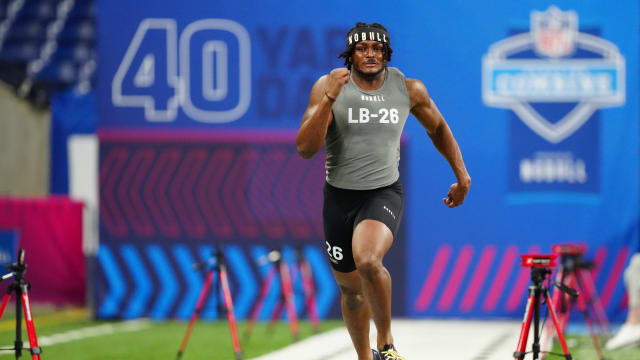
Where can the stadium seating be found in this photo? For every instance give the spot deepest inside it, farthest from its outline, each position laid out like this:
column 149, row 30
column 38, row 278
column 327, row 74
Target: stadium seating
column 44, row 44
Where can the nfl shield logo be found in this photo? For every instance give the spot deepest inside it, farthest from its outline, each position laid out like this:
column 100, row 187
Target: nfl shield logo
column 554, row 32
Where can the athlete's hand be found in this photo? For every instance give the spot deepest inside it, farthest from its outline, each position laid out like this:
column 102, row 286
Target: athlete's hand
column 336, row 80
column 456, row 195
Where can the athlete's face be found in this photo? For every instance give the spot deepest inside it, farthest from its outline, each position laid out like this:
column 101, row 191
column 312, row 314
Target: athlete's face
column 368, row 57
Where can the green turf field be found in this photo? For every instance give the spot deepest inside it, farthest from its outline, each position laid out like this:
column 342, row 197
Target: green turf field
column 209, row 340
column 582, row 348
column 154, row 340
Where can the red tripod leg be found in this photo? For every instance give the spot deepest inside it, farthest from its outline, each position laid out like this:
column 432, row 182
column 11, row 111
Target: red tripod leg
column 526, row 324
column 31, row 329
column 275, row 315
column 287, row 289
column 582, row 306
column 566, row 302
column 257, row 306
column 594, row 299
column 548, row 333
column 554, row 318
column 4, row 303
column 310, row 294
column 196, row 313
column 228, row 302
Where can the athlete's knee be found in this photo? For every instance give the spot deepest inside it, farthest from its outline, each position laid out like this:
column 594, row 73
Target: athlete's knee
column 352, row 298
column 369, row 266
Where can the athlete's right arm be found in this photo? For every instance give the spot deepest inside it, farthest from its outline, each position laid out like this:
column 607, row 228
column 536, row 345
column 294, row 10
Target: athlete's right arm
column 318, row 116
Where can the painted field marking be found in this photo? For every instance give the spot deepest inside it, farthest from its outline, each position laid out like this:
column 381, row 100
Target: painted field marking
column 84, row 333
column 417, row 339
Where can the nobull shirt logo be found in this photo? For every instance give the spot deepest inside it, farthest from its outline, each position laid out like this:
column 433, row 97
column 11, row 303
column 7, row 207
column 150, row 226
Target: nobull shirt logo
column 554, row 78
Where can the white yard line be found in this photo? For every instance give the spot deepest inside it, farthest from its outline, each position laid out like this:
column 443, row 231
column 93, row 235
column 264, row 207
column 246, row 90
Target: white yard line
column 83, row 333
column 417, row 339
column 327, row 345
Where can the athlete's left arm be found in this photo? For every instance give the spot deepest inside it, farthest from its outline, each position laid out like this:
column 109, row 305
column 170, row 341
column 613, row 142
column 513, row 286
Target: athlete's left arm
column 426, row 111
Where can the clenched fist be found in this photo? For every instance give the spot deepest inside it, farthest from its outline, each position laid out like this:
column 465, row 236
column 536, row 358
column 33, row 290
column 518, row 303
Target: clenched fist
column 336, row 80
column 456, row 195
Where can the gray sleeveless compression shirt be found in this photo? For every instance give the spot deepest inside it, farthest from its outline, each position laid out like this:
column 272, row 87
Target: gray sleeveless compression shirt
column 363, row 140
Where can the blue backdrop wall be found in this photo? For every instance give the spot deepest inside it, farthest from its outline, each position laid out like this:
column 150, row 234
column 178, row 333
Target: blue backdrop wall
column 541, row 96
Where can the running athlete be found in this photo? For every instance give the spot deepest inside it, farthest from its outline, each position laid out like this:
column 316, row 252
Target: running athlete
column 359, row 112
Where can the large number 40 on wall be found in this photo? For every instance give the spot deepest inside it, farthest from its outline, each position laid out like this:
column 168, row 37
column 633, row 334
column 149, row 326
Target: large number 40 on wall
column 207, row 74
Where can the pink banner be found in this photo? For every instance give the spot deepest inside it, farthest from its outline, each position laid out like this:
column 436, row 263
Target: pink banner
column 50, row 231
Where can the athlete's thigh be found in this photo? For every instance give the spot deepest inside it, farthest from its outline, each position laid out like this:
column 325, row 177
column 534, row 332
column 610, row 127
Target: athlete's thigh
column 385, row 205
column 377, row 223
column 371, row 241
column 338, row 229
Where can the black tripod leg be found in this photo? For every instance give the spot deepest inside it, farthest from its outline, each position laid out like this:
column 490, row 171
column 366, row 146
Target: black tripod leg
column 18, row 343
column 535, row 347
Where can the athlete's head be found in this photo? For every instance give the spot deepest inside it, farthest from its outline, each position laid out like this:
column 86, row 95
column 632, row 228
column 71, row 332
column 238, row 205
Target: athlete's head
column 368, row 49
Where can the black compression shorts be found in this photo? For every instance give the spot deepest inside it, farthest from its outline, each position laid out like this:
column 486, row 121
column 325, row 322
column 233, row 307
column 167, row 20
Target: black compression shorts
column 344, row 209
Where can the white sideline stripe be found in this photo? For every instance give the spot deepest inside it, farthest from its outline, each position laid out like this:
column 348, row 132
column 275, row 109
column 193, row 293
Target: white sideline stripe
column 325, row 345
column 417, row 339
column 83, row 333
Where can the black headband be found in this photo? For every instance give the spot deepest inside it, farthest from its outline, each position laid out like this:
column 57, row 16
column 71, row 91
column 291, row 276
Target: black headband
column 367, row 33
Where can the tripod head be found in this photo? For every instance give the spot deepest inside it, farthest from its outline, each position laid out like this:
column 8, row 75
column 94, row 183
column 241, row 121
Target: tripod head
column 569, row 249
column 19, row 266
column 271, row 258
column 541, row 266
column 214, row 262
column 571, row 256
column 17, row 269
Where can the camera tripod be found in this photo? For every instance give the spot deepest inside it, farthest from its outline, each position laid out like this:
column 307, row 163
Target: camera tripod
column 215, row 265
column 21, row 288
column 279, row 266
column 540, row 268
column 574, row 272
column 287, row 299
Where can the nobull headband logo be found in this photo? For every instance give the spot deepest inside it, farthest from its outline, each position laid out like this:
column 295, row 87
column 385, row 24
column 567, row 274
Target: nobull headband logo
column 367, row 33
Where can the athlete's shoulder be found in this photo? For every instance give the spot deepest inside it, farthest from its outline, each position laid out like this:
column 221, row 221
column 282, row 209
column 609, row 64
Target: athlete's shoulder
column 322, row 79
column 415, row 86
column 417, row 92
column 321, row 82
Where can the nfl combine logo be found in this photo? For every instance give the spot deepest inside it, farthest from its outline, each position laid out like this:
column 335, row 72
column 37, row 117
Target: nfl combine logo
column 554, row 78
column 513, row 82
